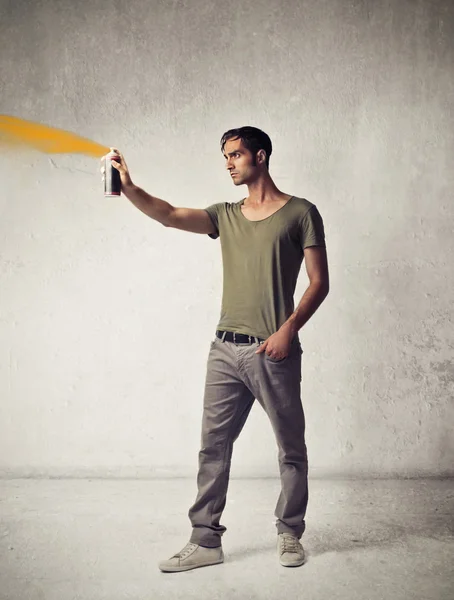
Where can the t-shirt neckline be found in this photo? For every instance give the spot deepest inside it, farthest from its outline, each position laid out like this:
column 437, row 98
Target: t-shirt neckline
column 240, row 204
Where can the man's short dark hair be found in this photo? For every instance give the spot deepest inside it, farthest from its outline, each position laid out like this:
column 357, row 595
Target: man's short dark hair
column 254, row 139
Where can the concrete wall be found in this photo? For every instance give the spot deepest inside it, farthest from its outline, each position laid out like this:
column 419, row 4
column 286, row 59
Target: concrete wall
column 106, row 316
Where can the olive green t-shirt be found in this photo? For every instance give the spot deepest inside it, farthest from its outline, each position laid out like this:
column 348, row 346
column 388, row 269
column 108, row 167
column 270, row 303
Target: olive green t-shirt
column 261, row 263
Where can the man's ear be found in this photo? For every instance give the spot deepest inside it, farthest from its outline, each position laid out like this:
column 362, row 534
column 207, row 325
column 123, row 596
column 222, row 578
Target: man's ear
column 261, row 155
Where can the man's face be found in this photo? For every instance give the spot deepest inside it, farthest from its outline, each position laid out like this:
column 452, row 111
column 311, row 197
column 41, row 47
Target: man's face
column 239, row 162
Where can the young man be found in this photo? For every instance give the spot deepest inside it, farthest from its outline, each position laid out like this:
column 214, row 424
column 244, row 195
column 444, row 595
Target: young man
column 256, row 352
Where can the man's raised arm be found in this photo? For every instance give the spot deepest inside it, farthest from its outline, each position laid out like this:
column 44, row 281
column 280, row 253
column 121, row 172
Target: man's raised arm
column 195, row 220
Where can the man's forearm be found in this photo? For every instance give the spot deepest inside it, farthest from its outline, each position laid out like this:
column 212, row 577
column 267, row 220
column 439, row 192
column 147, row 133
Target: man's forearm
column 150, row 205
column 311, row 300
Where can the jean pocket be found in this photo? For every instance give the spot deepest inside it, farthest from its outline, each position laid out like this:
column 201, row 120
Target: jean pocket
column 295, row 350
column 276, row 360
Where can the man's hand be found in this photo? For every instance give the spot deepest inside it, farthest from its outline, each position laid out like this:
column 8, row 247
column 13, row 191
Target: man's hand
column 121, row 166
column 278, row 345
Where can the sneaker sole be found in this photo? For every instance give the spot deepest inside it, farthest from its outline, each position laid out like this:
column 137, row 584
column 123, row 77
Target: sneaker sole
column 189, row 567
column 297, row 564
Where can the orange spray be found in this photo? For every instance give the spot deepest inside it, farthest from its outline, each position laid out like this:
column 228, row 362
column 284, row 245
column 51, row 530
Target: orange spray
column 19, row 132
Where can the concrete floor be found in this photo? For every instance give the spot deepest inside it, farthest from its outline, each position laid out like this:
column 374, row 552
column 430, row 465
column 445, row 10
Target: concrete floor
column 93, row 539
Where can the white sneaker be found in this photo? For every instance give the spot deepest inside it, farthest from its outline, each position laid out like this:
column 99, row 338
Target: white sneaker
column 290, row 551
column 191, row 557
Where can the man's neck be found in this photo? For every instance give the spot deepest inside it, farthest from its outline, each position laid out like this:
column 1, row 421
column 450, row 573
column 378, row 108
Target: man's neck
column 264, row 190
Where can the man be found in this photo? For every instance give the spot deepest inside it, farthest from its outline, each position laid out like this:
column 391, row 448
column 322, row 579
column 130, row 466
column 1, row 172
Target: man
column 256, row 353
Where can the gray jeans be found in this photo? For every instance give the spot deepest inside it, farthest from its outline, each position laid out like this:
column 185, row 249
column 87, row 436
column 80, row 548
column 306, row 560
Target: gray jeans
column 235, row 377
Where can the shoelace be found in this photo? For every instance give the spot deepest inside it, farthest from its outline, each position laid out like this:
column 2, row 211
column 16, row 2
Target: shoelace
column 290, row 544
column 186, row 550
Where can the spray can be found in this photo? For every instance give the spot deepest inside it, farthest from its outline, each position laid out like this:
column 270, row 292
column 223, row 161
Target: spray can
column 112, row 181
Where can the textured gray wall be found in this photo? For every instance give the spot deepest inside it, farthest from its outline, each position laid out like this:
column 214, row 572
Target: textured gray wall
column 106, row 316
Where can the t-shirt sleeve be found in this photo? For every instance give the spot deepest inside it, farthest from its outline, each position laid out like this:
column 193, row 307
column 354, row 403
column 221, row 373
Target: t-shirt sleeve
column 213, row 211
column 312, row 230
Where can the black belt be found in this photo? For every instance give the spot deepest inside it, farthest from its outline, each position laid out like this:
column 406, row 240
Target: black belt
column 238, row 338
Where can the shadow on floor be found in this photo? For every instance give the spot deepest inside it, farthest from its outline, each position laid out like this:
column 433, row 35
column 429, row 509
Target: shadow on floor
column 381, row 534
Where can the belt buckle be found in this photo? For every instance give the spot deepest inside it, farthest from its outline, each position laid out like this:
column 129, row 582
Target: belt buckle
column 234, row 337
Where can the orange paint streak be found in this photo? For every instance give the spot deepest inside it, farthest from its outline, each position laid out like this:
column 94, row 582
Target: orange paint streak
column 19, row 132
